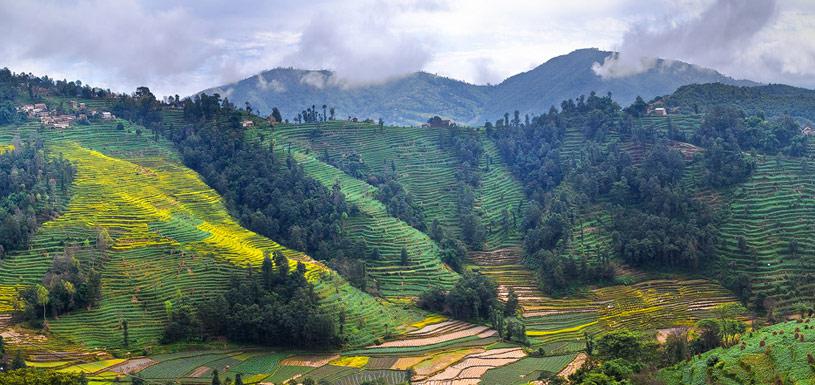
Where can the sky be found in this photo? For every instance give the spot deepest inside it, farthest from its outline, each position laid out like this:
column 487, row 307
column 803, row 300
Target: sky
column 181, row 47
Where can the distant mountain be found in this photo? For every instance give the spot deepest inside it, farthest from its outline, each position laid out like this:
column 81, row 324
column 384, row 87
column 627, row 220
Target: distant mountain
column 570, row 76
column 770, row 100
column 413, row 98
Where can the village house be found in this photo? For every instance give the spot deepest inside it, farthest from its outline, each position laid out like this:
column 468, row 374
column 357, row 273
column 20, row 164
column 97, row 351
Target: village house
column 247, row 123
column 659, row 111
column 107, row 115
column 808, row 131
column 437, row 122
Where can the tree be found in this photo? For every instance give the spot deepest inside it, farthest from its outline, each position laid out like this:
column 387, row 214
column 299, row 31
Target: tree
column 623, row 344
column 216, row 379
column 125, row 337
column 238, row 379
column 18, row 362
column 403, row 257
column 511, row 306
column 42, row 298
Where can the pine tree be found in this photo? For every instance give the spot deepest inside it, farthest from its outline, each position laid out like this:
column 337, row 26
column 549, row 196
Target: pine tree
column 511, row 307
column 216, row 380
column 403, row 257
column 18, row 362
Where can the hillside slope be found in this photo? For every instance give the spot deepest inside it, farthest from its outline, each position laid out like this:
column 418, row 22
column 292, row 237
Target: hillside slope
column 424, row 168
column 771, row 100
column 779, row 354
column 414, row 98
column 172, row 236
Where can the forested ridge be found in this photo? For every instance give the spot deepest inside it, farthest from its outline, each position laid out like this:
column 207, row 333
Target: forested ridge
column 656, row 221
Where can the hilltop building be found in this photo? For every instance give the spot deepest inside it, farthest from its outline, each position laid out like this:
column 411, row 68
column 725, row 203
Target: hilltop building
column 437, row 122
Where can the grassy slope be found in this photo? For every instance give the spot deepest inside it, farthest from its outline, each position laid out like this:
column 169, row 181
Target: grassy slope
column 781, row 358
column 173, row 237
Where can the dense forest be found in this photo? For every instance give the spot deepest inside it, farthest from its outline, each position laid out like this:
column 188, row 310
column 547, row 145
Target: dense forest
column 655, row 220
column 769, row 101
column 33, row 187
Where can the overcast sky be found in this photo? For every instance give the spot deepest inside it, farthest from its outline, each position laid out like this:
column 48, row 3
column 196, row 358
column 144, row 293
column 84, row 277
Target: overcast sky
column 186, row 46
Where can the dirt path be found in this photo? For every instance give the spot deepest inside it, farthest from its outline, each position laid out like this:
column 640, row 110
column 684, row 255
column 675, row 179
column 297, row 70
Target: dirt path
column 572, row 367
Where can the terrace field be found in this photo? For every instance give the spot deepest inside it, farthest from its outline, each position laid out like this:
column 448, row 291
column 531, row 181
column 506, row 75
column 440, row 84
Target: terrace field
column 424, row 168
column 449, row 352
column 172, row 235
column 774, row 213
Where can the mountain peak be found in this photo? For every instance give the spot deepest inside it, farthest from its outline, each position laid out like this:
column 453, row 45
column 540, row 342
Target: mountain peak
column 416, row 96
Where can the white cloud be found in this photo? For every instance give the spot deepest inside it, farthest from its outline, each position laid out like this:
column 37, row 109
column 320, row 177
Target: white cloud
column 182, row 47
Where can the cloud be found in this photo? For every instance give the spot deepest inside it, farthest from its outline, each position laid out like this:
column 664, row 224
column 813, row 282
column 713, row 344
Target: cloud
column 484, row 71
column 182, row 47
column 763, row 40
column 361, row 48
column 124, row 40
column 318, row 79
column 274, row 85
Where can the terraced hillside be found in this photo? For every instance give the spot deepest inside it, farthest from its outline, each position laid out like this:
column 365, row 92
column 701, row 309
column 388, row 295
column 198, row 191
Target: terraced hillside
column 558, row 325
column 779, row 354
column 375, row 227
column 774, row 214
column 172, row 237
column 424, row 169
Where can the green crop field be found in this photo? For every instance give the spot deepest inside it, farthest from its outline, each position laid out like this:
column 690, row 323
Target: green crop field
column 772, row 210
column 526, row 370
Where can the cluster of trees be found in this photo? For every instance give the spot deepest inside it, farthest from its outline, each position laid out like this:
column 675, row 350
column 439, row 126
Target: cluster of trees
column 22, row 84
column 398, row 201
column 276, row 307
column 623, row 357
column 32, row 188
column 726, row 133
column 466, row 145
column 313, row 115
column 141, row 107
column 472, row 298
column 475, row 298
column 66, row 286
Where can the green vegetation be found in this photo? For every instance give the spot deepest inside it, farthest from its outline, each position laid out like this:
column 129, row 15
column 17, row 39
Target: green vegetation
column 33, row 376
column 132, row 186
column 780, row 354
column 770, row 100
column 33, row 188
